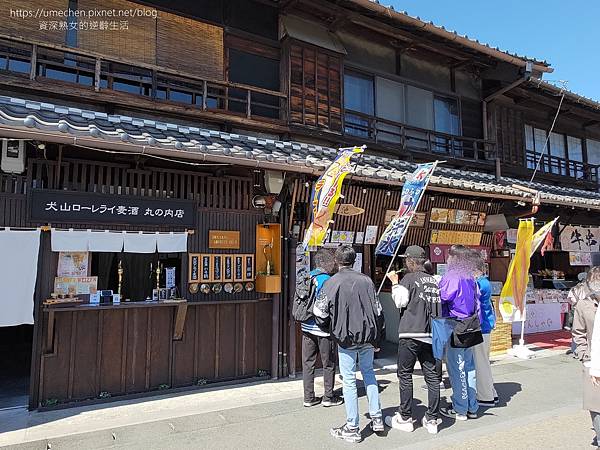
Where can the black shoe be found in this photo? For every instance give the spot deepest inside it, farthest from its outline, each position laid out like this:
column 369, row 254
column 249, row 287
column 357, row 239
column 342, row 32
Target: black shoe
column 471, row 415
column 314, row 402
column 488, row 403
column 450, row 413
column 346, row 433
column 333, row 401
column 377, row 424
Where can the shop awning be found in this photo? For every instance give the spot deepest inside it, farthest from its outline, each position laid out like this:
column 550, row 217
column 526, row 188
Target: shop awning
column 116, row 241
column 25, row 119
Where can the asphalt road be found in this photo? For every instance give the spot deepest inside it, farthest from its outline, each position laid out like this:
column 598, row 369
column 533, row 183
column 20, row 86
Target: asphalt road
column 540, row 409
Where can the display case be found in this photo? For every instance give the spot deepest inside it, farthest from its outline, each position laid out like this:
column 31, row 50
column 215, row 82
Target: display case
column 268, row 258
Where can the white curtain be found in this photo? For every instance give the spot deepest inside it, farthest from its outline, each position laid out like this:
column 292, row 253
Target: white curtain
column 69, row 240
column 172, row 242
column 139, row 242
column 18, row 274
column 105, row 241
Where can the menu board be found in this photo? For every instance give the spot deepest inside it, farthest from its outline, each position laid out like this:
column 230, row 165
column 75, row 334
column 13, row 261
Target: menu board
column 75, row 285
column 457, row 216
column 227, row 267
column 238, row 268
column 205, row 274
column 72, row 264
column 217, row 261
column 194, row 268
column 455, row 237
column 248, row 267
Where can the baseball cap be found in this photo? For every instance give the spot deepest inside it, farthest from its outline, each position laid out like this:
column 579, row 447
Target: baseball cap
column 414, row 251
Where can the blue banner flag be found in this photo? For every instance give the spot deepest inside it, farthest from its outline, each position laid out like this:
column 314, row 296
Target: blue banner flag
column 412, row 192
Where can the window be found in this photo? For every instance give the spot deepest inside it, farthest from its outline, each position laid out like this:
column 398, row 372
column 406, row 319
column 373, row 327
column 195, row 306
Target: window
column 558, row 165
column 446, row 120
column 254, row 70
column 390, row 106
column 575, row 152
column 535, row 139
column 358, row 97
column 593, row 151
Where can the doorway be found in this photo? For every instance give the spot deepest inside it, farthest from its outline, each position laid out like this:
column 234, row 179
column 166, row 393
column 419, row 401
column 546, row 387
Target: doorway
column 16, row 345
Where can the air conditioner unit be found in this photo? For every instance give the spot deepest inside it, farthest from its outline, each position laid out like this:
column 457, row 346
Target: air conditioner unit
column 13, row 156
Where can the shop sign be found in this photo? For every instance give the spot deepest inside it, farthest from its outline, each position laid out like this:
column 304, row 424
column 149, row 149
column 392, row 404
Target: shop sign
column 455, row 237
column 540, row 317
column 580, row 239
column 348, row 209
column 50, row 206
column 580, row 259
column 438, row 253
column 75, row 285
column 418, row 219
column 224, row 239
column 457, row 216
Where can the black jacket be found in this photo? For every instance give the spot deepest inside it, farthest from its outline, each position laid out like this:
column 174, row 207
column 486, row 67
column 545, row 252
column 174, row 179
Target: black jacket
column 423, row 295
column 347, row 306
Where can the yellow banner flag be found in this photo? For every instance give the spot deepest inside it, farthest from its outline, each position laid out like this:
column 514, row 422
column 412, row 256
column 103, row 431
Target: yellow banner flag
column 326, row 194
column 512, row 298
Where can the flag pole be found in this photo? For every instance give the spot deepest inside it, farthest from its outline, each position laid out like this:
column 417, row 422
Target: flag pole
column 435, row 163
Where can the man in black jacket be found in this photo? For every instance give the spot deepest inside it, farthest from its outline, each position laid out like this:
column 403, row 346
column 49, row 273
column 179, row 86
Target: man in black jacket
column 348, row 307
column 418, row 298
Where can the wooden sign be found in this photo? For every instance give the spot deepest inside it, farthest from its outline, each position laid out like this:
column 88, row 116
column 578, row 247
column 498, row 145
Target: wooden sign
column 418, row 220
column 224, row 239
column 228, row 268
column 206, row 271
column 217, row 267
column 455, row 237
column 238, row 268
column 194, row 267
column 348, row 209
column 248, row 267
column 389, row 215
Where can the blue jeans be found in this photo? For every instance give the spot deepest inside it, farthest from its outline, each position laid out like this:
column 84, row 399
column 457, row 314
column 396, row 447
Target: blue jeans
column 347, row 362
column 461, row 370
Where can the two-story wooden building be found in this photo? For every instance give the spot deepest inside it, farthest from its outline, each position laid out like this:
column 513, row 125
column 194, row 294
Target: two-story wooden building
column 232, row 109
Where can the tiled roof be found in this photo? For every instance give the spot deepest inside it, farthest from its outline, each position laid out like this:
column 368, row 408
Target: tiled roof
column 449, row 33
column 570, row 95
column 183, row 141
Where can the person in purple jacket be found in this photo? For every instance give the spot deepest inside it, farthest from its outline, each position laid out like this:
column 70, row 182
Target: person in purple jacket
column 458, row 293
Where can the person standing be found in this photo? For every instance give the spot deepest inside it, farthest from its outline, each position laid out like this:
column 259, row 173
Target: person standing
column 316, row 341
column 587, row 346
column 348, row 307
column 417, row 297
column 458, row 291
column 486, row 393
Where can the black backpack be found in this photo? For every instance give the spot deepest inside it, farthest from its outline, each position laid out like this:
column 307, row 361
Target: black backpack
column 304, row 297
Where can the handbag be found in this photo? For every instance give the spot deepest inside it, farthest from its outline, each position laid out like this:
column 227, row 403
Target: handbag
column 467, row 332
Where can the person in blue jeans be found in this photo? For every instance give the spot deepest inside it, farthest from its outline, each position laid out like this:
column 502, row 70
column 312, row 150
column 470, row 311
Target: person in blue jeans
column 458, row 293
column 348, row 307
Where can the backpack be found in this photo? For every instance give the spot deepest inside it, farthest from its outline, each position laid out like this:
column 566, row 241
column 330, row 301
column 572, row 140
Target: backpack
column 304, row 297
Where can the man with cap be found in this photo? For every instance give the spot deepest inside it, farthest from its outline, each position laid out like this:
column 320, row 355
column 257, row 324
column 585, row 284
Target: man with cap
column 418, row 299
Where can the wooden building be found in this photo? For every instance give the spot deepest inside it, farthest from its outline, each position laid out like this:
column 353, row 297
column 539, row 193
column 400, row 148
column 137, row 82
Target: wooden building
column 235, row 108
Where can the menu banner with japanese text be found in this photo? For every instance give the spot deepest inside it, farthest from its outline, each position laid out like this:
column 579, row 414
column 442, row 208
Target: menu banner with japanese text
column 50, row 206
column 580, row 239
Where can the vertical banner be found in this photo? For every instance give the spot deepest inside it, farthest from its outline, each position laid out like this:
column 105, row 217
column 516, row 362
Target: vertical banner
column 412, row 192
column 543, row 237
column 512, row 298
column 325, row 196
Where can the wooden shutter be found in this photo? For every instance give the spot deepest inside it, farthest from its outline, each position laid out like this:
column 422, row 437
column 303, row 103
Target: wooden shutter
column 472, row 118
column 315, row 87
column 510, row 131
column 189, row 46
column 136, row 43
column 37, row 29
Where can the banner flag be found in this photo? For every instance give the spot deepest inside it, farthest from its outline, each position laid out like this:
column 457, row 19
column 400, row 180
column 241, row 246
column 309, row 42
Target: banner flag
column 412, row 192
column 512, row 297
column 326, row 194
column 543, row 235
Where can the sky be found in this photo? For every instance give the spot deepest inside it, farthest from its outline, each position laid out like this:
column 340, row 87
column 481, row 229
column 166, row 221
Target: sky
column 564, row 33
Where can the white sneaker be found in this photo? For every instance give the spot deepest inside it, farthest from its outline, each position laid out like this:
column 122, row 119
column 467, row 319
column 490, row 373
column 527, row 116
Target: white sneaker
column 430, row 425
column 461, row 417
column 398, row 423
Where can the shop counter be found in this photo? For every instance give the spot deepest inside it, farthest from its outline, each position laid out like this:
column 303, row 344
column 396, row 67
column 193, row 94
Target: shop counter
column 95, row 352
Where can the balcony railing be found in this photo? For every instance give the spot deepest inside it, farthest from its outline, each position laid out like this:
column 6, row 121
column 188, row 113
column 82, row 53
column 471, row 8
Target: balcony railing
column 563, row 167
column 416, row 139
column 40, row 61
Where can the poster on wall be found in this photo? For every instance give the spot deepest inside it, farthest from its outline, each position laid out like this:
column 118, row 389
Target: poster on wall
column 205, row 272
column 580, row 259
column 249, row 268
column 194, row 268
column 75, row 285
column 418, row 220
column 346, row 237
column 169, row 277
column 217, row 266
column 358, row 262
column 72, row 264
column 580, row 239
column 238, row 268
column 227, row 267
column 439, row 215
column 360, row 237
column 371, row 234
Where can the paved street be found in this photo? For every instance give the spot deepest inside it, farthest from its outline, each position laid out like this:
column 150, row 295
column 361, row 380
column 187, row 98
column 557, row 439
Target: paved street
column 540, row 408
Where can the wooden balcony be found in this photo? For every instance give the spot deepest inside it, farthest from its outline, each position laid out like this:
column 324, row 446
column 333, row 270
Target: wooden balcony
column 561, row 167
column 46, row 66
column 418, row 140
